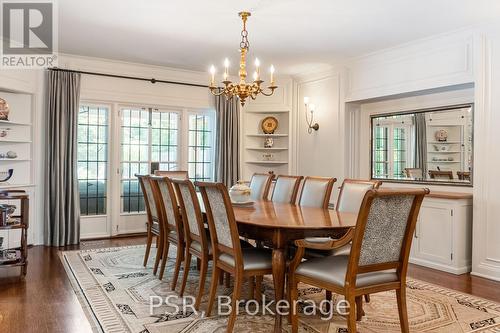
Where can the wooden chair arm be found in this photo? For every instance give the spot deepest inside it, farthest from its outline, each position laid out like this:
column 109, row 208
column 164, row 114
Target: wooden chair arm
column 328, row 245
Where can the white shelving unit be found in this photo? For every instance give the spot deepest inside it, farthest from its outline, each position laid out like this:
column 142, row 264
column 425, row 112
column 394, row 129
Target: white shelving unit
column 19, row 139
column 454, row 157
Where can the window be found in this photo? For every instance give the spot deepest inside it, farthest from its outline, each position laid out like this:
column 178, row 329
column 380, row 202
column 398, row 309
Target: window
column 147, row 136
column 92, row 159
column 380, row 156
column 390, row 146
column 200, row 147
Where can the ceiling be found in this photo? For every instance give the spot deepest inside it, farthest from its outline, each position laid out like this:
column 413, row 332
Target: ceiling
column 294, row 35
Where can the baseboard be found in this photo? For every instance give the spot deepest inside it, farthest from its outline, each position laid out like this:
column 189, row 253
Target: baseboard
column 441, row 267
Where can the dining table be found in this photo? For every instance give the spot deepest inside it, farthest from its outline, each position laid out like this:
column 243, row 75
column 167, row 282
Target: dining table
column 279, row 224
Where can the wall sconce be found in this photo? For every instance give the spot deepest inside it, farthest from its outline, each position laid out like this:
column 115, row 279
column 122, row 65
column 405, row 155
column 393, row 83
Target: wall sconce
column 310, row 108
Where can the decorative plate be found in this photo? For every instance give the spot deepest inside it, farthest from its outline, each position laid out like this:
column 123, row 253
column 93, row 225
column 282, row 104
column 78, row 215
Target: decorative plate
column 441, row 135
column 4, row 109
column 269, row 125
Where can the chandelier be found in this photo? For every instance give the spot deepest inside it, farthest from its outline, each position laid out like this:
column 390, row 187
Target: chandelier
column 242, row 89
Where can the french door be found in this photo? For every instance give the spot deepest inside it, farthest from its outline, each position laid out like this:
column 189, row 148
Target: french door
column 128, row 140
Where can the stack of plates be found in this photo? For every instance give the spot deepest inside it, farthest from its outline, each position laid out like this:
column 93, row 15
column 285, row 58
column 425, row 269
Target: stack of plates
column 243, row 204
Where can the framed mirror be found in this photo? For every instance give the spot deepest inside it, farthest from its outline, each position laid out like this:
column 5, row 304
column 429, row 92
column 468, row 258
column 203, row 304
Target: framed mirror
column 424, row 146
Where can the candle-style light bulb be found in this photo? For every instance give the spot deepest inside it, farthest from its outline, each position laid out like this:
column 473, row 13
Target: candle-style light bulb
column 306, row 100
column 212, row 71
column 257, row 68
column 226, row 69
column 272, row 75
column 255, row 76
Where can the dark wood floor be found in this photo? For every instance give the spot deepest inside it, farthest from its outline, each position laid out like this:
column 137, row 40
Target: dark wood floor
column 45, row 301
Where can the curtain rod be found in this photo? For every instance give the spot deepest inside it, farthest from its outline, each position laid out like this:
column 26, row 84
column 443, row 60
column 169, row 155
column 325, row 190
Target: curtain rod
column 153, row 80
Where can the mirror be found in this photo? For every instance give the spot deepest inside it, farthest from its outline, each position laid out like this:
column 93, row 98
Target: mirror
column 426, row 146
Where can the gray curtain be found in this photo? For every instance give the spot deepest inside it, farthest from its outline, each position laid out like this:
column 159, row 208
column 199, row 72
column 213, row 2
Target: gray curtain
column 421, row 143
column 227, row 161
column 62, row 206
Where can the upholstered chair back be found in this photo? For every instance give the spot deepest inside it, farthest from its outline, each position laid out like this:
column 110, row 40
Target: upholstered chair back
column 259, row 185
column 384, row 230
column 168, row 202
column 352, row 193
column 149, row 198
column 190, row 207
column 221, row 220
column 286, row 189
column 316, row 192
column 172, row 174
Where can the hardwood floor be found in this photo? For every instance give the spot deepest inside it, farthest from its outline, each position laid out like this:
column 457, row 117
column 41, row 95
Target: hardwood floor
column 45, row 301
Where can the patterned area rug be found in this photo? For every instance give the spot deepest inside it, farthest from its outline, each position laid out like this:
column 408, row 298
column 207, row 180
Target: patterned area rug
column 115, row 289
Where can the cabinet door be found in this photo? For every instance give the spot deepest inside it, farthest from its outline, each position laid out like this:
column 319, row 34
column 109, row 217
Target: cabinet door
column 434, row 234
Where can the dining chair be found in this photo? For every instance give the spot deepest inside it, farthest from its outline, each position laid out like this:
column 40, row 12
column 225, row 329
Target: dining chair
column 378, row 260
column 177, row 174
column 195, row 235
column 349, row 200
column 155, row 227
column 169, row 213
column 286, row 189
column 414, row 173
column 439, row 174
column 463, row 175
column 228, row 255
column 316, row 192
column 260, row 183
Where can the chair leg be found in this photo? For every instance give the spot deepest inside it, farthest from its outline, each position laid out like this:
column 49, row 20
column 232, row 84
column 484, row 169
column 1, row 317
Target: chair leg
column 351, row 317
column 328, row 297
column 159, row 252
column 221, row 279
column 238, row 282
column 213, row 288
column 251, row 289
column 228, row 280
column 178, row 262
column 164, row 258
column 403, row 314
column 258, row 288
column 187, row 267
column 359, row 308
column 201, row 287
column 293, row 301
column 367, row 298
column 198, row 264
column 148, row 248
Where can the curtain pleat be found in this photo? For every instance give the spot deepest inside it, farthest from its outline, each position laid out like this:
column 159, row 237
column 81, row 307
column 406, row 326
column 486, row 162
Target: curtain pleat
column 421, row 143
column 62, row 206
column 227, row 162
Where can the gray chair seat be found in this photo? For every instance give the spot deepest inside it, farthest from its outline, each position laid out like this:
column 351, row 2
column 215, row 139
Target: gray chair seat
column 333, row 270
column 195, row 245
column 253, row 259
column 341, row 251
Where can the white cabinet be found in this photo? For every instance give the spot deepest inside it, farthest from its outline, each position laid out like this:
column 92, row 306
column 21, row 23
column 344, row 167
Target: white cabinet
column 443, row 236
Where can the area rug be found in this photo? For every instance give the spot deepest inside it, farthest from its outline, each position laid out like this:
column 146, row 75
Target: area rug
column 115, row 291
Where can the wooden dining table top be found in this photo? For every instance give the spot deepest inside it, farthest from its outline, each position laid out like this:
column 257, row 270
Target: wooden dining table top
column 268, row 214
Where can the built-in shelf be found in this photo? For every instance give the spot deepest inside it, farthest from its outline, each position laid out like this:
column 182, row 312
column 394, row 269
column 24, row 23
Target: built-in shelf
column 264, row 149
column 443, row 142
column 16, row 141
column 268, row 135
column 14, row 159
column 445, row 152
column 266, row 112
column 2, row 186
column 8, row 122
column 267, row 162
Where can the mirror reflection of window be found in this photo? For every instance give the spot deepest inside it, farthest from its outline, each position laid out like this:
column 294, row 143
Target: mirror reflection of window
column 425, row 145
